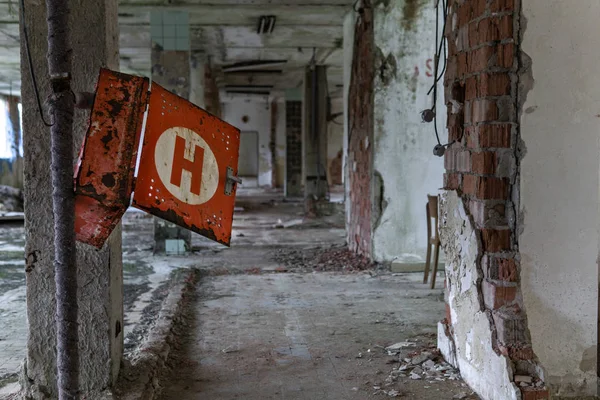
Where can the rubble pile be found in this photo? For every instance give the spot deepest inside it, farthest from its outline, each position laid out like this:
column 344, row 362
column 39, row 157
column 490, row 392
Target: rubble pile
column 426, row 364
column 417, row 362
column 337, row 258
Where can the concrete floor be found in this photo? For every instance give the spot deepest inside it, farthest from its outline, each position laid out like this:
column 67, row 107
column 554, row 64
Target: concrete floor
column 305, row 336
column 255, row 333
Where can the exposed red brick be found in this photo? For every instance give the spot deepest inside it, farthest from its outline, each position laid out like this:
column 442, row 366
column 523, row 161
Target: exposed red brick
column 494, row 135
column 478, row 60
column 463, row 161
column 511, row 330
column 494, row 240
column 525, row 353
column 486, row 215
column 502, row 269
column 469, row 183
column 529, row 393
column 483, row 162
column 472, row 135
column 463, row 65
column 471, row 88
column 484, row 111
column 502, row 5
column 506, row 55
column 490, row 30
column 492, row 188
column 450, row 160
column 494, row 85
column 496, row 296
column 451, row 181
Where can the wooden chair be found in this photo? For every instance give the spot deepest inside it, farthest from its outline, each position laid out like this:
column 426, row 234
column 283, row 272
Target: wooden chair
column 431, row 209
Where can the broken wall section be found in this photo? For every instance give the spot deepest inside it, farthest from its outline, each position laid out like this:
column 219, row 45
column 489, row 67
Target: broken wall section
column 405, row 169
column 485, row 331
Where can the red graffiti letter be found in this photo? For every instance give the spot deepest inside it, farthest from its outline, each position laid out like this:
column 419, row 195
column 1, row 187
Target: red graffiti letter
column 429, row 70
column 194, row 166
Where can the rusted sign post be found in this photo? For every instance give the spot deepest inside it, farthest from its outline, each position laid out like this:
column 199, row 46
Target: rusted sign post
column 187, row 166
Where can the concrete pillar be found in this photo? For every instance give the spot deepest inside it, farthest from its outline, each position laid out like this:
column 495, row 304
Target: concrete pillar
column 314, row 137
column 280, row 145
column 171, row 67
column 94, row 40
column 293, row 146
column 197, row 83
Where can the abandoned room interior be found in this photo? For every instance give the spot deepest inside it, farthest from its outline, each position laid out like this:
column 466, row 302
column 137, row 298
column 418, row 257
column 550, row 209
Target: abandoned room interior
column 412, row 210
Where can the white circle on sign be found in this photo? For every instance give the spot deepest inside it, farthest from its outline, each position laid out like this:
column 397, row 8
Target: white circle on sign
column 191, row 180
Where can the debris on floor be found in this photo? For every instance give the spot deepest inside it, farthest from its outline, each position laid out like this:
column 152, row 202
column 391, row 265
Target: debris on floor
column 335, row 258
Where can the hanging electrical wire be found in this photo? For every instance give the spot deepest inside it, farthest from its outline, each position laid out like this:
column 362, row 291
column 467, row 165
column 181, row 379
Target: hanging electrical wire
column 30, row 62
column 430, row 115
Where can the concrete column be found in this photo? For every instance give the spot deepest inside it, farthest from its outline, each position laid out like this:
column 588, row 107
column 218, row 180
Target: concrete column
column 280, row 146
column 95, row 44
column 197, row 84
column 314, row 137
column 293, row 146
column 171, row 67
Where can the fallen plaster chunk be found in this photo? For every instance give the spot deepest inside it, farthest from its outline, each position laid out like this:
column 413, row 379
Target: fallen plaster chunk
column 461, row 395
column 421, row 358
column 415, row 376
column 396, row 347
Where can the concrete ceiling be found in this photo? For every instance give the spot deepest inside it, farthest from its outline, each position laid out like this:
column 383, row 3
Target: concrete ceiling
column 225, row 31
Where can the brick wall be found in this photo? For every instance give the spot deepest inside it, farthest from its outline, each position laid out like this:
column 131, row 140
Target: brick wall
column 481, row 93
column 360, row 133
column 293, row 124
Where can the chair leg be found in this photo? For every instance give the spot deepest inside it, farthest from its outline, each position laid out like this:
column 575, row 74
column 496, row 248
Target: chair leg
column 427, row 263
column 436, row 256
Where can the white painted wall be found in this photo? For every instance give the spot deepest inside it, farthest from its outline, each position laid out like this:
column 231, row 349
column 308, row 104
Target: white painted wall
column 559, row 190
column 257, row 108
column 403, row 152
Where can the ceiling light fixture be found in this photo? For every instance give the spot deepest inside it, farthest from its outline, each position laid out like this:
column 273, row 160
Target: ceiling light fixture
column 266, row 24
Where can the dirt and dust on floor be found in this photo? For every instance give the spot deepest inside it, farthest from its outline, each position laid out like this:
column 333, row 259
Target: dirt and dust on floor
column 287, row 312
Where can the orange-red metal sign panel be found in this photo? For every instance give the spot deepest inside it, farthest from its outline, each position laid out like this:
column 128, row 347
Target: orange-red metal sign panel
column 183, row 170
column 105, row 171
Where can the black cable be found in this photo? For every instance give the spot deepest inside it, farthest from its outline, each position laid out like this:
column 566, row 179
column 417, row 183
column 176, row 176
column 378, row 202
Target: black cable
column 439, row 46
column 31, row 71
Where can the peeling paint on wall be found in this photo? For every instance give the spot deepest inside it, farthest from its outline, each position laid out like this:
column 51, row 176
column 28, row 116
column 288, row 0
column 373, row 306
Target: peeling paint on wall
column 402, row 143
column 467, row 344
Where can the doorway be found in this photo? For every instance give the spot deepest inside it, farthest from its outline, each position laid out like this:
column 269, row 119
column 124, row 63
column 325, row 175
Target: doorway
column 248, row 161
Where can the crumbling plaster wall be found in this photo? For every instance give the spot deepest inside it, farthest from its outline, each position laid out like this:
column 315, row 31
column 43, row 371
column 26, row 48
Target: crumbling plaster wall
column 559, row 190
column 483, row 91
column 405, row 169
column 258, row 111
column 469, row 346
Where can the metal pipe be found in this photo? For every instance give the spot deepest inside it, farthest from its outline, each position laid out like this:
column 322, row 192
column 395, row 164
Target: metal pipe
column 62, row 104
